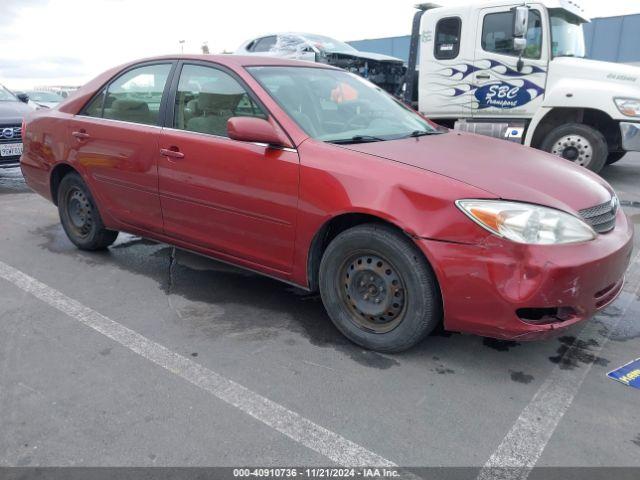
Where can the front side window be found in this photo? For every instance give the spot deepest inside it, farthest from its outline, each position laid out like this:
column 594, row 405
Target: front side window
column 497, row 34
column 447, row 44
column 133, row 97
column 337, row 106
column 207, row 98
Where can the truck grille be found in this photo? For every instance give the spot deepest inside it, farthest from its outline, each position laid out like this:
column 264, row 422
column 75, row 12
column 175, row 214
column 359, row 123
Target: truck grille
column 10, row 134
column 602, row 218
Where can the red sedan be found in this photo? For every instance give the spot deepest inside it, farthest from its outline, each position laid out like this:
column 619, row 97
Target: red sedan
column 313, row 176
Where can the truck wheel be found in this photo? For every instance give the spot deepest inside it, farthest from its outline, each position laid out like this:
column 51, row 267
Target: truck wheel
column 79, row 215
column 578, row 143
column 614, row 157
column 378, row 288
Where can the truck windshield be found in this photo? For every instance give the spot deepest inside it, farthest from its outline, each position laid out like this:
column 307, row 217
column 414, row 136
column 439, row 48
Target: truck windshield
column 567, row 35
column 6, row 95
column 340, row 107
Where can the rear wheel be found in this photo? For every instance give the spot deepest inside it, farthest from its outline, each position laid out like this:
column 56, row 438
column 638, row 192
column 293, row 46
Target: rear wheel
column 578, row 143
column 378, row 289
column 79, row 215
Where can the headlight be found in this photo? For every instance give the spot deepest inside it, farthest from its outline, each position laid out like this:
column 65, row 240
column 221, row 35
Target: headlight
column 526, row 223
column 628, row 106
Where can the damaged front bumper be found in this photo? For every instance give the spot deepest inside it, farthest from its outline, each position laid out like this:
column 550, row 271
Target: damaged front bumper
column 512, row 291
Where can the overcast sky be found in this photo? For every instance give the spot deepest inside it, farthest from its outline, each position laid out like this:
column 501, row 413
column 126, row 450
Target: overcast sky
column 70, row 41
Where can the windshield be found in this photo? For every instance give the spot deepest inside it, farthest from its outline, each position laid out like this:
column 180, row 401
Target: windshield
column 44, row 97
column 6, row 95
column 328, row 44
column 336, row 106
column 567, row 35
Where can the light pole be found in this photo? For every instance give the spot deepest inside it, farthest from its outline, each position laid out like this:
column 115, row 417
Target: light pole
column 181, row 42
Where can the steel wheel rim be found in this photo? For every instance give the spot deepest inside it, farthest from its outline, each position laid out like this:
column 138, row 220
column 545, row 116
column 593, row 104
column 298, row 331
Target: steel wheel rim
column 79, row 212
column 574, row 148
column 373, row 291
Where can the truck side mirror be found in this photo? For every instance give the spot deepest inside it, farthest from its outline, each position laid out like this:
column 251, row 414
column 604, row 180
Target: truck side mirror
column 520, row 21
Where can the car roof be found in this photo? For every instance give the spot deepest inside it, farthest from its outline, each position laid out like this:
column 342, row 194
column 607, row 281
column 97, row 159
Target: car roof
column 83, row 94
column 238, row 60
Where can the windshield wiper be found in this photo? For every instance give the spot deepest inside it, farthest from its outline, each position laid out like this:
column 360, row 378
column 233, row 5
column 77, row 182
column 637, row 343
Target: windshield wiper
column 422, row 133
column 358, row 139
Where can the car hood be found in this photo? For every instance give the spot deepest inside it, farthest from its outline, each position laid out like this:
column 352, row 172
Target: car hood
column 367, row 56
column 500, row 168
column 13, row 112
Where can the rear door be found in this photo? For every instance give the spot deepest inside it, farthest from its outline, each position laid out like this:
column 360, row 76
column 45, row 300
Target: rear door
column 236, row 198
column 445, row 87
column 501, row 90
column 115, row 142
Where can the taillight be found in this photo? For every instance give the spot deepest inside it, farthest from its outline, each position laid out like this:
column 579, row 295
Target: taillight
column 23, row 129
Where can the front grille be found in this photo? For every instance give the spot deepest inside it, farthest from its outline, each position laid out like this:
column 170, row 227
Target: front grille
column 15, row 136
column 602, row 218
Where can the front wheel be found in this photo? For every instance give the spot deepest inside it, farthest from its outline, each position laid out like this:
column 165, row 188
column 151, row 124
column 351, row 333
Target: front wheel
column 80, row 217
column 578, row 143
column 378, row 289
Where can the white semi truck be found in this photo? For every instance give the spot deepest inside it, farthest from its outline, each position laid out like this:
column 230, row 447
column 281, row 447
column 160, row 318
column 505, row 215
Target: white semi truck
column 515, row 70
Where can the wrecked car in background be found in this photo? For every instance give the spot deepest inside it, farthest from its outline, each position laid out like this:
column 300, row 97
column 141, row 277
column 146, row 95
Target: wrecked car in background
column 385, row 71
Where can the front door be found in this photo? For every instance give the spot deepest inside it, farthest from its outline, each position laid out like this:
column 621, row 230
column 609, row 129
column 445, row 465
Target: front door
column 236, row 198
column 115, row 142
column 501, row 88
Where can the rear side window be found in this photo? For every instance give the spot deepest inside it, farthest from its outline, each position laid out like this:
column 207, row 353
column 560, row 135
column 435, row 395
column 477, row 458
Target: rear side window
column 133, row 97
column 207, row 98
column 264, row 44
column 497, row 34
column 447, row 44
column 94, row 108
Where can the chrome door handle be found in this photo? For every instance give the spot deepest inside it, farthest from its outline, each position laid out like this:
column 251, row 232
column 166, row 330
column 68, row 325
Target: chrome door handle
column 171, row 153
column 81, row 135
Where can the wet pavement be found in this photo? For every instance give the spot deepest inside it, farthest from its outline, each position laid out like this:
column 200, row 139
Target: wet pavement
column 70, row 396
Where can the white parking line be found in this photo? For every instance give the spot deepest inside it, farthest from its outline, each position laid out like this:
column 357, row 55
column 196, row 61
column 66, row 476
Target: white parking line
column 298, row 428
column 523, row 445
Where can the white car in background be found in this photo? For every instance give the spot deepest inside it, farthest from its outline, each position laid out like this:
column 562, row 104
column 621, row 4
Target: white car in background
column 385, row 71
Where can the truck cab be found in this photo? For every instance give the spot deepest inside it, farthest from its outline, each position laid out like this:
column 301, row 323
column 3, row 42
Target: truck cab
column 516, row 70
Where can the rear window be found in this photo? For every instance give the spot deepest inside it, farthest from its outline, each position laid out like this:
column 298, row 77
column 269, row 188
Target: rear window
column 447, row 44
column 133, row 97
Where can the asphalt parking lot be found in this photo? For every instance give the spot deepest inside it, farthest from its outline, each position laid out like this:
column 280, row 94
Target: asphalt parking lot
column 77, row 388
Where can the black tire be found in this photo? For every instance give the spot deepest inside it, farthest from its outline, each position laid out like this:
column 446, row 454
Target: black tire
column 80, row 217
column 578, row 143
column 378, row 288
column 614, row 157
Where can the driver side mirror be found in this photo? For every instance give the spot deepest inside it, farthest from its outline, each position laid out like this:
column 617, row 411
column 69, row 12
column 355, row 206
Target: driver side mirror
column 252, row 129
column 520, row 21
column 23, row 97
column 520, row 27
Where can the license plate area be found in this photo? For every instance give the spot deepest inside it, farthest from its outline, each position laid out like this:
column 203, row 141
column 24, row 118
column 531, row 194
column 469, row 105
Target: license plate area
column 10, row 149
